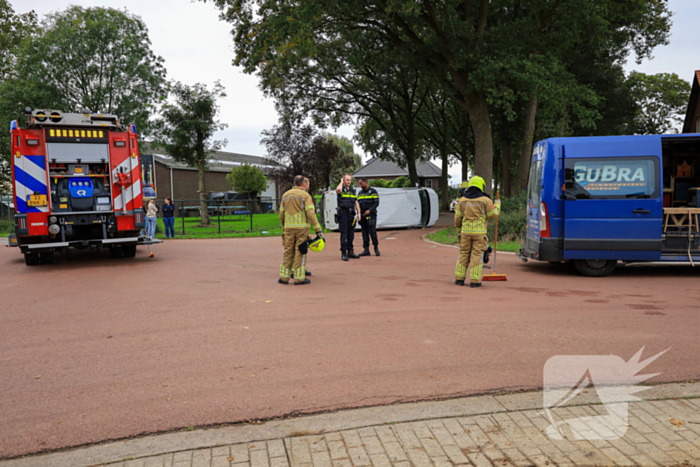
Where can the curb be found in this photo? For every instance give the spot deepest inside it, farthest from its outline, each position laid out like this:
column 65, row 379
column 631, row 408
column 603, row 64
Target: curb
column 154, row 445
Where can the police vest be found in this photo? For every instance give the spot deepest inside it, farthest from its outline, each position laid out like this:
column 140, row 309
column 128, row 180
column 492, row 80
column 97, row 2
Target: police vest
column 368, row 199
column 347, row 198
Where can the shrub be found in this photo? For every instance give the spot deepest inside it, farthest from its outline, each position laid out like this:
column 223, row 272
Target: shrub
column 401, row 182
column 380, row 183
column 7, row 227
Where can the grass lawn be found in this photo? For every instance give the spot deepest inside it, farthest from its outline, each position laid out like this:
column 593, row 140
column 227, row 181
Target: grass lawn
column 448, row 236
column 264, row 225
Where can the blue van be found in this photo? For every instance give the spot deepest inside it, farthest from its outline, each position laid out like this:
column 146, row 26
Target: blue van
column 595, row 201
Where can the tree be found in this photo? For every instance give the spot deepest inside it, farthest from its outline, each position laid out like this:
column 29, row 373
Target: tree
column 467, row 46
column 186, row 127
column 14, row 28
column 99, row 59
column 293, row 151
column 661, row 101
column 340, row 167
column 247, row 178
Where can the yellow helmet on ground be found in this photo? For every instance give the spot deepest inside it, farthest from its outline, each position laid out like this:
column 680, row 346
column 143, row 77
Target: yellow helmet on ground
column 318, row 244
column 477, row 182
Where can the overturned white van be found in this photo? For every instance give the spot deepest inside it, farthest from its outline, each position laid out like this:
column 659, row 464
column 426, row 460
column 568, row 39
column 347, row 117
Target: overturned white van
column 398, row 208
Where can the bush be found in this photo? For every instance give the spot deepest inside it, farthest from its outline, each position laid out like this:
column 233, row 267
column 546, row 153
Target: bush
column 7, row 227
column 401, row 182
column 380, row 183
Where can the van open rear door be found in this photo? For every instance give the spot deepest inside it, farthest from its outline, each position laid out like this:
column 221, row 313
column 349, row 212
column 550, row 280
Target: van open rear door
column 613, row 199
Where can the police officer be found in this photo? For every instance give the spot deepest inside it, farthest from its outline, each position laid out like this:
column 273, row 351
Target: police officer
column 296, row 215
column 368, row 199
column 348, row 214
column 471, row 213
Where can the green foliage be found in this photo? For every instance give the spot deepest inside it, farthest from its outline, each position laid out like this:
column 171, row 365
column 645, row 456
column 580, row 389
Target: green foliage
column 374, row 62
column 90, row 58
column 186, row 127
column 299, row 150
column 247, row 179
column 6, row 227
column 401, row 182
column 661, row 101
column 380, row 183
column 348, row 161
column 14, row 28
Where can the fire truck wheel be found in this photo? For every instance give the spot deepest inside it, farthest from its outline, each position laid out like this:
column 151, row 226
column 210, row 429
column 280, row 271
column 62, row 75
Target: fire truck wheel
column 115, row 252
column 31, row 259
column 129, row 250
column 46, row 257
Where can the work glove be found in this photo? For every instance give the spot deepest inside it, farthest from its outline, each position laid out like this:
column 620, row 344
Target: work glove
column 497, row 203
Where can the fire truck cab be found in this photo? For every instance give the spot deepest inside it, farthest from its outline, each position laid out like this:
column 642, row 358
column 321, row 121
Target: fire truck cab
column 76, row 183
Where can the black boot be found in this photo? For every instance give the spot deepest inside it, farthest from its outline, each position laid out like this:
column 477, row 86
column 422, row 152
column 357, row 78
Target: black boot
column 376, row 251
column 351, row 254
column 305, row 281
column 474, row 285
column 459, row 282
column 365, row 252
column 344, row 256
column 308, row 273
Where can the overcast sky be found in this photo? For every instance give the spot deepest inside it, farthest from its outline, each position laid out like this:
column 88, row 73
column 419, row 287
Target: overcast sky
column 198, row 48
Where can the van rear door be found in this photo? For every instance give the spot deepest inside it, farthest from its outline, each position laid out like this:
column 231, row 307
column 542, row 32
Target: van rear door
column 613, row 207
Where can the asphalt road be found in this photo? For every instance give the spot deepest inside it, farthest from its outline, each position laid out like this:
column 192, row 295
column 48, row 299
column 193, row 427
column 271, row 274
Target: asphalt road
column 93, row 348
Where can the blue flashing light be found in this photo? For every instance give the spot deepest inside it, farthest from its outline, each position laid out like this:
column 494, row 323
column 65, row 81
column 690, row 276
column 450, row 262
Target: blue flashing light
column 133, row 129
column 13, row 125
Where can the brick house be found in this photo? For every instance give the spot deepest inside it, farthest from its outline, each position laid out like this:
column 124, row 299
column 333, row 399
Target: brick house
column 428, row 173
column 180, row 181
column 692, row 115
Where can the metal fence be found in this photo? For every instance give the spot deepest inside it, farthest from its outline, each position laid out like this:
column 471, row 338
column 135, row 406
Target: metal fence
column 226, row 216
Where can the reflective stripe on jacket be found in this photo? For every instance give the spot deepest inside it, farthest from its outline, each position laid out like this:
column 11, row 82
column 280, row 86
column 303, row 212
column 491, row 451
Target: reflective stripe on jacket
column 471, row 214
column 297, row 210
column 347, row 198
column 368, row 200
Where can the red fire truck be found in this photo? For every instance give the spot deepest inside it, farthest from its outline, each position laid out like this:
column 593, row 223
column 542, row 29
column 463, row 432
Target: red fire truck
column 76, row 183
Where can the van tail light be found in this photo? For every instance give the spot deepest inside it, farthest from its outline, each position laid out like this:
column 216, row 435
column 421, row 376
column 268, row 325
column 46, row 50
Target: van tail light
column 544, row 221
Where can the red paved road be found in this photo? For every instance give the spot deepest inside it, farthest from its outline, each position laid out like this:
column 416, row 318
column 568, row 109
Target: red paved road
column 93, row 348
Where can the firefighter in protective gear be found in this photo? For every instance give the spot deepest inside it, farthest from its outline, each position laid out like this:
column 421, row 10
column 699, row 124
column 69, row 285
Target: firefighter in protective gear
column 368, row 199
column 471, row 214
column 296, row 215
column 348, row 215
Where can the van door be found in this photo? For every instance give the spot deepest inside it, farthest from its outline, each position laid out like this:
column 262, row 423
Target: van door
column 613, row 208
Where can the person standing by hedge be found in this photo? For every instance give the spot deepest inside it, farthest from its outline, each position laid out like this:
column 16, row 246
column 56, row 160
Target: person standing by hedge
column 471, row 214
column 169, row 218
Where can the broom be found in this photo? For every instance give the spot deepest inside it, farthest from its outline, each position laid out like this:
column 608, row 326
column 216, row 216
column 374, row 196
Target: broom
column 494, row 276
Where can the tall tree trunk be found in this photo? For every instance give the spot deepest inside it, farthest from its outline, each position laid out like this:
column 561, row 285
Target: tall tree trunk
column 483, row 138
column 412, row 169
column 506, row 173
column 444, row 184
column 465, row 165
column 526, row 149
column 202, row 191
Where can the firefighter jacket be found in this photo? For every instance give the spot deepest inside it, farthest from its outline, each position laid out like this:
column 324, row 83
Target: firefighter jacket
column 347, row 198
column 368, row 200
column 297, row 211
column 472, row 211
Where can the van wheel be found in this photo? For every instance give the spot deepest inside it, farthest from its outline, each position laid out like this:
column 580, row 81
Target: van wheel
column 129, row 250
column 46, row 257
column 595, row 267
column 31, row 259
